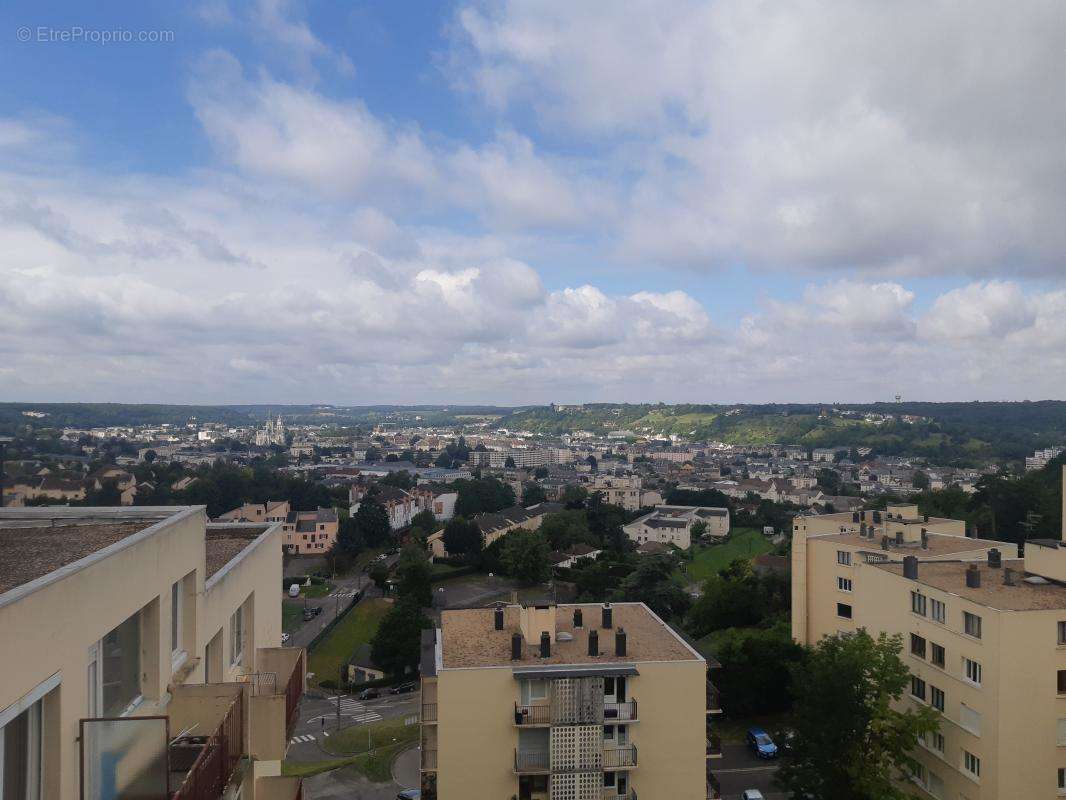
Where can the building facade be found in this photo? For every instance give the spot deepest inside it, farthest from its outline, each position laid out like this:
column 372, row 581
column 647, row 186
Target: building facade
column 568, row 702
column 984, row 637
column 138, row 643
column 672, row 525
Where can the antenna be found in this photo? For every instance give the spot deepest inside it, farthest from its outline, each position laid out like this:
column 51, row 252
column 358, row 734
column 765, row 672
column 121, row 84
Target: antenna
column 1031, row 520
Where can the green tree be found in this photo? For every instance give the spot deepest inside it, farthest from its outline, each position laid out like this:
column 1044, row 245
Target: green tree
column 424, row 522
column 350, row 541
column 372, row 520
column 524, row 556
column 654, row 584
column 378, row 572
column 850, row 742
column 372, row 454
column 699, row 528
column 533, row 493
column 462, row 537
column 574, row 496
column 540, row 473
column 738, row 598
column 755, row 674
column 563, row 529
column 395, row 647
column 413, row 576
column 401, row 479
column 482, row 495
column 920, row 480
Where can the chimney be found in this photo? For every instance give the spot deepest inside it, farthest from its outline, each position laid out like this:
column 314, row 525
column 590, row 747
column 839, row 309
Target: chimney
column 578, row 621
column 910, row 567
column 607, row 616
column 498, row 618
column 925, row 539
column 545, row 645
column 995, row 559
column 594, row 642
column 973, row 577
column 862, row 530
column 516, row 647
column 854, row 516
column 925, row 518
column 620, row 642
column 899, row 538
column 862, row 515
column 884, row 542
column 1008, row 577
column 877, row 517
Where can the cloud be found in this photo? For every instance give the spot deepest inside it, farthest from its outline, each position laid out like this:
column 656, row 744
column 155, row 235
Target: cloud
column 905, row 139
column 982, row 311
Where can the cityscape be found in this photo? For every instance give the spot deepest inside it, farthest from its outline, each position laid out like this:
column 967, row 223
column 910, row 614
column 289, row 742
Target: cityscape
column 531, row 400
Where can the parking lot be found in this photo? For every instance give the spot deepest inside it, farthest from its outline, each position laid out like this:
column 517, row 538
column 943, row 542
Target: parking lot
column 738, row 769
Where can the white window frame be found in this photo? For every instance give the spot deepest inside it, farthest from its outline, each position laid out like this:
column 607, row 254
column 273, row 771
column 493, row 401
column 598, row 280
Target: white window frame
column 844, row 558
column 236, row 637
column 966, row 617
column 177, row 623
column 937, row 610
column 95, row 671
column 35, row 752
column 844, row 584
column 971, row 766
column 540, row 685
column 972, row 670
column 919, row 604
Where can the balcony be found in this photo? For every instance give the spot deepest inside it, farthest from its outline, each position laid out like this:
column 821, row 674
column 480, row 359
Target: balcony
column 532, row 716
column 623, row 757
column 714, row 745
column 429, row 712
column 714, row 699
column 620, row 712
column 276, row 787
column 531, row 762
column 209, row 760
column 611, row 793
column 429, row 759
column 276, row 689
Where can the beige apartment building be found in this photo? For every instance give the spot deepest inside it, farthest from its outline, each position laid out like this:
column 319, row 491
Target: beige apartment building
column 302, row 532
column 567, row 702
column 672, row 525
column 984, row 638
column 142, row 656
column 626, row 491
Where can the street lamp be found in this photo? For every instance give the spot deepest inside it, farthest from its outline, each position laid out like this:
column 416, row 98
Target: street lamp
column 4, row 442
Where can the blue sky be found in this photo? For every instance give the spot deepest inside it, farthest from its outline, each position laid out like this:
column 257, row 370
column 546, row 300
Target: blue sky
column 515, row 202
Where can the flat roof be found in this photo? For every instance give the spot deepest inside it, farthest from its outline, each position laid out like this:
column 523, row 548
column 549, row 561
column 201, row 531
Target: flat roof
column 469, row 638
column 951, row 577
column 35, row 542
column 940, row 544
column 223, row 543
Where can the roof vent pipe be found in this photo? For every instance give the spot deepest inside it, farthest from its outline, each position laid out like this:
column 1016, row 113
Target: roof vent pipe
column 516, row 647
column 620, row 642
column 884, row 542
column 594, row 642
column 607, row 616
column 498, row 618
column 545, row 644
column 925, row 539
column 995, row 558
column 1008, row 577
column 910, row 567
column 578, row 621
column 973, row 577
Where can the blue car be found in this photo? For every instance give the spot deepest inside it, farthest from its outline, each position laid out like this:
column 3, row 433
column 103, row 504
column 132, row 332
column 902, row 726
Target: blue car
column 761, row 743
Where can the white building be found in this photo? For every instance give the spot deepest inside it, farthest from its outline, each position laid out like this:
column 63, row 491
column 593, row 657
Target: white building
column 673, row 525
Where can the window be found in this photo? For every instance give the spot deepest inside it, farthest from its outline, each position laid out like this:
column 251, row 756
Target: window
column 1062, row 633
column 176, row 600
column 533, row 690
column 937, row 611
column 971, row 763
column 937, row 654
column 844, row 610
column 972, row 670
column 844, row 584
column 936, row 741
column 971, row 624
column 917, row 687
column 236, row 637
column 936, row 698
column 917, row 646
column 970, row 719
column 1062, row 681
column 117, row 674
column 844, row 557
column 20, row 755
column 1062, row 780
column 918, row 603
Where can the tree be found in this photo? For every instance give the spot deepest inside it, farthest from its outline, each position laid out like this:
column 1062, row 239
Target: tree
column 413, row 576
column 920, row 480
column 372, row 520
column 378, row 572
column 482, row 495
column 395, row 647
column 755, row 673
column 401, row 479
column 563, row 529
column 540, row 473
column 699, row 529
column 350, row 541
column 854, row 751
column 424, row 522
column 462, row 537
column 525, row 555
column 509, row 463
column 444, row 460
column 533, row 493
column 738, row 598
column 372, row 454
column 829, row 481
column 591, row 461
column 653, row 583
column 150, row 456
column 574, row 496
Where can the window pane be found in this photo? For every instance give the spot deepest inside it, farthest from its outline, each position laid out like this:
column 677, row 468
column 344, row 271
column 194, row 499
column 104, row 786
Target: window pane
column 120, row 656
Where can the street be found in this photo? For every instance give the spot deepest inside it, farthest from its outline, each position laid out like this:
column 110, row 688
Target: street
column 318, row 718
column 739, row 769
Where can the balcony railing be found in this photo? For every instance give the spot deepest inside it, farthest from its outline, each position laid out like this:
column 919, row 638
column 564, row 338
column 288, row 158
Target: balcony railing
column 429, row 712
column 619, row 757
column 611, row 793
column 532, row 715
column 714, row 745
column 714, row 699
column 294, row 690
column 620, row 712
column 429, row 758
column 210, row 773
column 530, row 761
column 714, row 787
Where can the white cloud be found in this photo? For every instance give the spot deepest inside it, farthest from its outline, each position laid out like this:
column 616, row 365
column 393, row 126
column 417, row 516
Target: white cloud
column 982, row 311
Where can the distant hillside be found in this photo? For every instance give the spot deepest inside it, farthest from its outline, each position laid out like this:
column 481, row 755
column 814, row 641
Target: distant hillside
column 943, row 432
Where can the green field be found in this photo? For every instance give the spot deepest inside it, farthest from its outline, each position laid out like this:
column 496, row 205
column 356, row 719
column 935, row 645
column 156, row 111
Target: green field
column 357, row 628
column 709, row 559
column 388, row 737
column 316, row 590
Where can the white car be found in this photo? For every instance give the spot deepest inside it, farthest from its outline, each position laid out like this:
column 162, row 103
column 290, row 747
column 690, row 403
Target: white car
column 751, row 794
column 294, row 590
column 284, row 638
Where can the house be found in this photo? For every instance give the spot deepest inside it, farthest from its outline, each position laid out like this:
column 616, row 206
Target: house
column 310, row 532
column 579, row 553
column 270, row 511
column 444, row 505
column 673, row 525
column 400, row 504
column 498, row 524
column 361, row 668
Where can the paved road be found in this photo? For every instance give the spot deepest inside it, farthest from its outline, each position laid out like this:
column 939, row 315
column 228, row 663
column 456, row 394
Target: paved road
column 344, row 588
column 738, row 770
column 318, row 718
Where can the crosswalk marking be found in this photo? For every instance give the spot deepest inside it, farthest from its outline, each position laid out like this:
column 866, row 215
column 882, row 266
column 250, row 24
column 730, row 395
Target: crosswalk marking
column 350, row 593
column 301, row 739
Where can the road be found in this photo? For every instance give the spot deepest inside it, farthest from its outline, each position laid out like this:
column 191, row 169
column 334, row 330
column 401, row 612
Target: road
column 738, row 770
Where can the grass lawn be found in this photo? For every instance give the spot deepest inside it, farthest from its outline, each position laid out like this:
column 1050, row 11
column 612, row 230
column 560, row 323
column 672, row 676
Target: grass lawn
column 316, row 589
column 377, row 766
column 384, row 733
column 743, row 543
column 291, row 616
column 357, row 628
column 441, row 572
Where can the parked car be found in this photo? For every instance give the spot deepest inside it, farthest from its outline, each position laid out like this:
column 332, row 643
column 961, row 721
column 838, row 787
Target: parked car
column 403, row 688
column 294, row 590
column 751, row 794
column 284, row 638
column 309, row 614
column 761, row 743
column 369, row 694
column 409, row 794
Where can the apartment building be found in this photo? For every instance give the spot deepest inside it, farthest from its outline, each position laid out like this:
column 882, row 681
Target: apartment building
column 302, row 532
column 402, row 505
column 984, row 638
column 142, row 656
column 626, row 491
column 673, row 525
column 567, row 702
column 498, row 524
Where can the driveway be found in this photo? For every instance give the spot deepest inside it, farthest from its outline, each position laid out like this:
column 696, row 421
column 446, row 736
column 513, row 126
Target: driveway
column 738, row 770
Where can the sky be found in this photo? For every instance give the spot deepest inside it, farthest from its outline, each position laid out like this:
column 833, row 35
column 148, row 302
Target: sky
column 524, row 202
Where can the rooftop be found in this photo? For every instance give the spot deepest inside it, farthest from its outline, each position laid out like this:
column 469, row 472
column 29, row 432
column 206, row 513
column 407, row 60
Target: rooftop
column 940, row 544
column 471, row 640
column 1022, row 596
column 224, row 542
